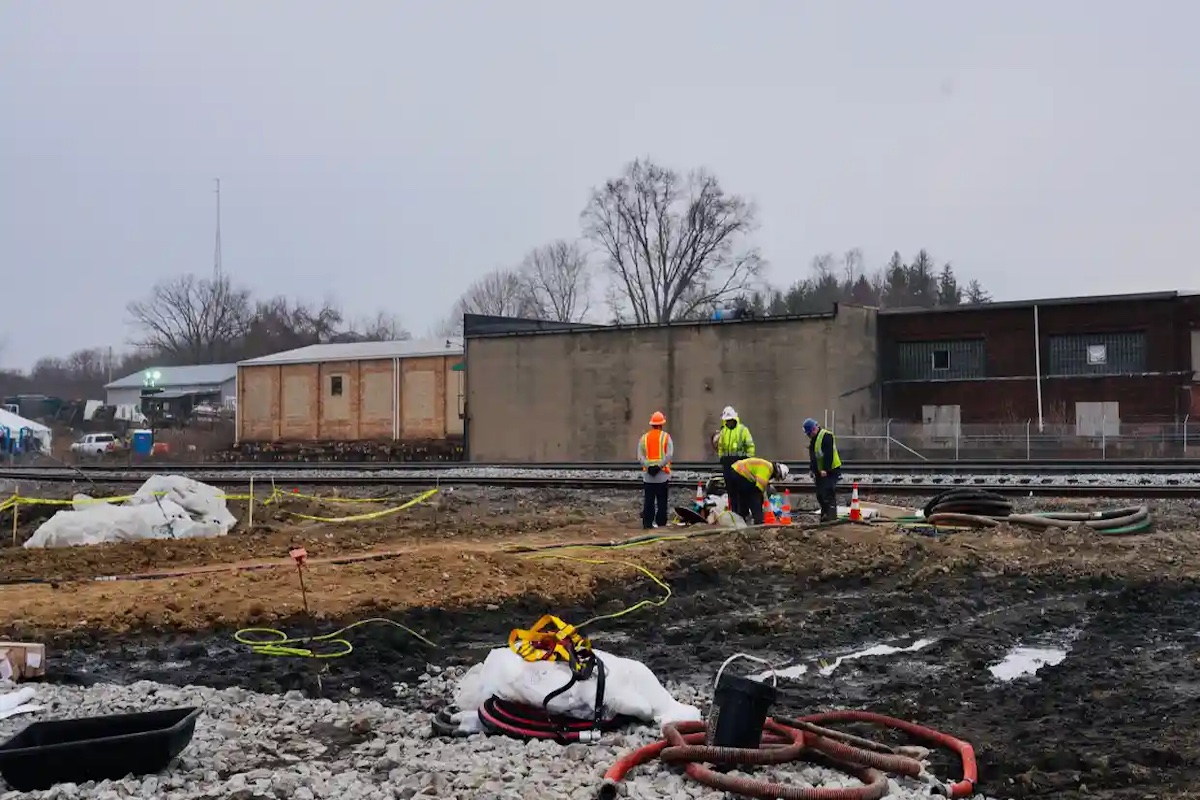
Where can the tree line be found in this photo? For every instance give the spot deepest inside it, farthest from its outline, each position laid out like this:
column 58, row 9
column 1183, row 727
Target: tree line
column 199, row 320
column 667, row 246
column 653, row 245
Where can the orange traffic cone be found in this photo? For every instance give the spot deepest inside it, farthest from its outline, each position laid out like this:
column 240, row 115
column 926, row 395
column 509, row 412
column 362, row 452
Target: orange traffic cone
column 700, row 494
column 785, row 513
column 768, row 513
column 855, row 509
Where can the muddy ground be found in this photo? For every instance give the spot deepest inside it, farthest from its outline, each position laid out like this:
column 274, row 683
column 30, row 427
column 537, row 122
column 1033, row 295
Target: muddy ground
column 1119, row 717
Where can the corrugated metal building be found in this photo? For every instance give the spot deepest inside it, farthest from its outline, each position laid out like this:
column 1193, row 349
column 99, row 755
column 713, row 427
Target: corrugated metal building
column 213, row 382
column 403, row 391
column 1092, row 361
column 586, row 394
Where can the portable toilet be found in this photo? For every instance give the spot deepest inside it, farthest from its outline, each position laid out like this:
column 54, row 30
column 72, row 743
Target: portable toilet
column 143, row 442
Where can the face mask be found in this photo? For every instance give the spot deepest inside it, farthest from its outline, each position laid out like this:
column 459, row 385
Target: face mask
column 731, row 423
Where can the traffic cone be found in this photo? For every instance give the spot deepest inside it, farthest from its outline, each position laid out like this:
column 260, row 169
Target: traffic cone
column 785, row 513
column 768, row 513
column 700, row 494
column 855, row 509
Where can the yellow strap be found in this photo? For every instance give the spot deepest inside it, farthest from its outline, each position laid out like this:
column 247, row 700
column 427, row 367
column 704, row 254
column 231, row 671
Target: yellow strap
column 547, row 640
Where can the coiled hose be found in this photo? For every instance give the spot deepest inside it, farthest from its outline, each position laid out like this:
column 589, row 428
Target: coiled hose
column 966, row 506
column 787, row 740
column 1130, row 519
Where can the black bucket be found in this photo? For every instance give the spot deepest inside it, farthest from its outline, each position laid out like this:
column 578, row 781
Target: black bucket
column 738, row 713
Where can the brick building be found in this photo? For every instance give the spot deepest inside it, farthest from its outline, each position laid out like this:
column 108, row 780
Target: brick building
column 1090, row 361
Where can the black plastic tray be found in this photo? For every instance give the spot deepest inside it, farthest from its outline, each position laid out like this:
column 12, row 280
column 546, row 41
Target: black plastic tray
column 95, row 748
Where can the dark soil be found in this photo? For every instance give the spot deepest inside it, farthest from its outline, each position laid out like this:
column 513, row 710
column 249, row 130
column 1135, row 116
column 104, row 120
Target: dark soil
column 1119, row 718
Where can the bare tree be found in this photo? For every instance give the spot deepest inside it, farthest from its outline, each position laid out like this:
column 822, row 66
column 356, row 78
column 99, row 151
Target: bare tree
column 501, row 292
column 383, row 327
column 559, row 281
column 673, row 246
column 193, row 320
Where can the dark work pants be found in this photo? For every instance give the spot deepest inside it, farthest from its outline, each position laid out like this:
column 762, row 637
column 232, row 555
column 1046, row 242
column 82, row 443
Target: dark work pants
column 748, row 496
column 654, row 504
column 728, row 474
column 826, row 490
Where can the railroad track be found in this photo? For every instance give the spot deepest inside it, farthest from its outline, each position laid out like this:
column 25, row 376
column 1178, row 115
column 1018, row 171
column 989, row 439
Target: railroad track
column 941, row 467
column 631, row 482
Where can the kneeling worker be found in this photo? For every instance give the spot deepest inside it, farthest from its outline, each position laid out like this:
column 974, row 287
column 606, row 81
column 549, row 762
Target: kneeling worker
column 826, row 467
column 751, row 477
column 655, row 450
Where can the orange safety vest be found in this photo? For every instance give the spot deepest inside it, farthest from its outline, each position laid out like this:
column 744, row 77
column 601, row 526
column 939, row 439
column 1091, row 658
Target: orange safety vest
column 656, row 448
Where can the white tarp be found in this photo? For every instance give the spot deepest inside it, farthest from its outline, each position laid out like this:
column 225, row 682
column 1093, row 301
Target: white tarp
column 165, row 507
column 15, row 423
column 630, row 689
column 18, row 702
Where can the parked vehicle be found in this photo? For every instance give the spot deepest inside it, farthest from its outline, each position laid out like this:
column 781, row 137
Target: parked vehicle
column 97, row 445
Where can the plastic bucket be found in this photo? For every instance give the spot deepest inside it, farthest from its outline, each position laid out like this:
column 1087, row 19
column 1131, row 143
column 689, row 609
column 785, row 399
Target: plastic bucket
column 739, row 710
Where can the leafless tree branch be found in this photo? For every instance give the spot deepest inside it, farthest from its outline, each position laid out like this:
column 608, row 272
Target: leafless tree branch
column 672, row 247
column 558, row 281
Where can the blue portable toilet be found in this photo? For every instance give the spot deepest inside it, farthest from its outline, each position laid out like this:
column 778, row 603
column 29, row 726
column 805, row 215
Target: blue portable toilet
column 143, row 442
column 5, row 440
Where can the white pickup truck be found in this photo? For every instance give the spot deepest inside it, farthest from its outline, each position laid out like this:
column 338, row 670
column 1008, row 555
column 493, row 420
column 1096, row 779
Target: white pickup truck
column 95, row 445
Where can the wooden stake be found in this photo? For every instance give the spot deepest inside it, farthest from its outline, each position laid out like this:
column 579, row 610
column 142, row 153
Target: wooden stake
column 16, row 506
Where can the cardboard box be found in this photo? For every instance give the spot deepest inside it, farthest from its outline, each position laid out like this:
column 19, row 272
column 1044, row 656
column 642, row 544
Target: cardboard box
column 20, row 661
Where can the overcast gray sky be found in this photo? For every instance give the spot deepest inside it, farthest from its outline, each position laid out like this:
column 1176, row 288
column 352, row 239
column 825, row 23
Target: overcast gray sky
column 388, row 152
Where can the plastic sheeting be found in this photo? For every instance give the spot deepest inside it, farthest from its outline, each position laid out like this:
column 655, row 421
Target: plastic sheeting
column 165, row 507
column 630, row 689
column 18, row 702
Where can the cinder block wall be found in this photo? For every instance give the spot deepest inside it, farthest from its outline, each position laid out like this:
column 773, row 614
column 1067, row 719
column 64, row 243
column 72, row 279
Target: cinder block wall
column 587, row 395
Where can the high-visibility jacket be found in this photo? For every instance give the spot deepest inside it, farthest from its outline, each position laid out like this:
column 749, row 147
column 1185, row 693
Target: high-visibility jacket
column 735, row 442
column 822, row 461
column 655, row 449
column 756, row 470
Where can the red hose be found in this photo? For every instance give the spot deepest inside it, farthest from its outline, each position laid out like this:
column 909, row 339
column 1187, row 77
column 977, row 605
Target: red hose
column 527, row 722
column 964, row 750
column 684, row 743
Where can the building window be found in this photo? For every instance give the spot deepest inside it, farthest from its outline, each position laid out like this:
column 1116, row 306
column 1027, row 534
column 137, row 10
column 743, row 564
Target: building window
column 335, row 385
column 941, row 360
column 1097, row 355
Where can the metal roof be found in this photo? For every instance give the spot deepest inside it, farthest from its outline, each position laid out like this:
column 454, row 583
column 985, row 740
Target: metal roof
column 1142, row 297
column 362, row 351
column 198, row 375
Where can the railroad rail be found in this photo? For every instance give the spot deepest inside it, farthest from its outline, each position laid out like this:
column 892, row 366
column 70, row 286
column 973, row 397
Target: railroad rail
column 632, row 483
column 943, row 467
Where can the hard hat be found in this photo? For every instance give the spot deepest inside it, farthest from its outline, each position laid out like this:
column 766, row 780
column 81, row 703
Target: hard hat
column 657, row 418
column 782, row 469
column 728, row 414
column 810, row 425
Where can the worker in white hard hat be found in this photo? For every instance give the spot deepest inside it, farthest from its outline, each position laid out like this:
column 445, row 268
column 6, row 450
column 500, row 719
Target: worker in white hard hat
column 752, row 478
column 732, row 442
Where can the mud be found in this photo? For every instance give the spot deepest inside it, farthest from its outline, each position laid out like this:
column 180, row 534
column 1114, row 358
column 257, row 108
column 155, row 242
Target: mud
column 1118, row 717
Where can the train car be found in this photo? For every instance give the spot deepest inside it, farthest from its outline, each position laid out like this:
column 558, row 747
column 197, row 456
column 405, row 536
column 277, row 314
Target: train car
column 362, row 401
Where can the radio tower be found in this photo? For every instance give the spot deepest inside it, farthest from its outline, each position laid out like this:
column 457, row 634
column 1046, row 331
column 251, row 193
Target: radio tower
column 217, row 245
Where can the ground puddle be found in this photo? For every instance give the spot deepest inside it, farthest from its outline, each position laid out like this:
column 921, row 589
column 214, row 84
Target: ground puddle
column 826, row 668
column 1026, row 659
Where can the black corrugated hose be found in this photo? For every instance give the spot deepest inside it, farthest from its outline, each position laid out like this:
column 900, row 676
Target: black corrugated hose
column 967, row 502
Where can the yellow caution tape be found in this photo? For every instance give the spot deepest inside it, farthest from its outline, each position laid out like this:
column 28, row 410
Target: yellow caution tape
column 280, row 494
column 369, row 515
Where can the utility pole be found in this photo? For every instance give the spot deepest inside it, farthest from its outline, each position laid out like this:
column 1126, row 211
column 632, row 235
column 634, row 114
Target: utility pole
column 217, row 245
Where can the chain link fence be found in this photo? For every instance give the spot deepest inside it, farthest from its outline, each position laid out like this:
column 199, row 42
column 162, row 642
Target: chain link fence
column 890, row 440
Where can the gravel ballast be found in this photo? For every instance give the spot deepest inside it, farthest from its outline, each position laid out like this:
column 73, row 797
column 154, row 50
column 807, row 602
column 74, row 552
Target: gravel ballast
column 251, row 746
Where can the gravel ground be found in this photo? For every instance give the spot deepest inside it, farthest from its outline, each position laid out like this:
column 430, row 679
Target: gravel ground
column 688, row 476
column 251, row 746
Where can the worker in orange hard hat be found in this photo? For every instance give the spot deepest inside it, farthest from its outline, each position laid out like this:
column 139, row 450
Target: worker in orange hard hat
column 655, row 449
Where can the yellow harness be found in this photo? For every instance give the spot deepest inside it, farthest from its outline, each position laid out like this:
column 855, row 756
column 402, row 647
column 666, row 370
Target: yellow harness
column 552, row 639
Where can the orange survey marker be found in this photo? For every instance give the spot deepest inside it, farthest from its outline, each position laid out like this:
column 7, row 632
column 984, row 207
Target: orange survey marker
column 855, row 508
column 785, row 513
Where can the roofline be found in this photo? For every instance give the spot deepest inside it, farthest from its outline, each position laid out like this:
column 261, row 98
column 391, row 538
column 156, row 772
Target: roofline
column 117, row 383
column 272, row 361
column 1142, row 297
column 702, row 323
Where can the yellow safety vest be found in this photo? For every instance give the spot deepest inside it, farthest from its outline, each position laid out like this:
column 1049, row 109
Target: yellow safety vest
column 757, row 470
column 735, row 442
column 817, row 451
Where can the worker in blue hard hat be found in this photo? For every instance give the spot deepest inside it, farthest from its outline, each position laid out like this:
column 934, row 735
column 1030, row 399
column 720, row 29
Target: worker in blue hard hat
column 826, row 467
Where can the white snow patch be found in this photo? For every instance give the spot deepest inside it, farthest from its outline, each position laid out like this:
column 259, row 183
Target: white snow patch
column 1026, row 661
